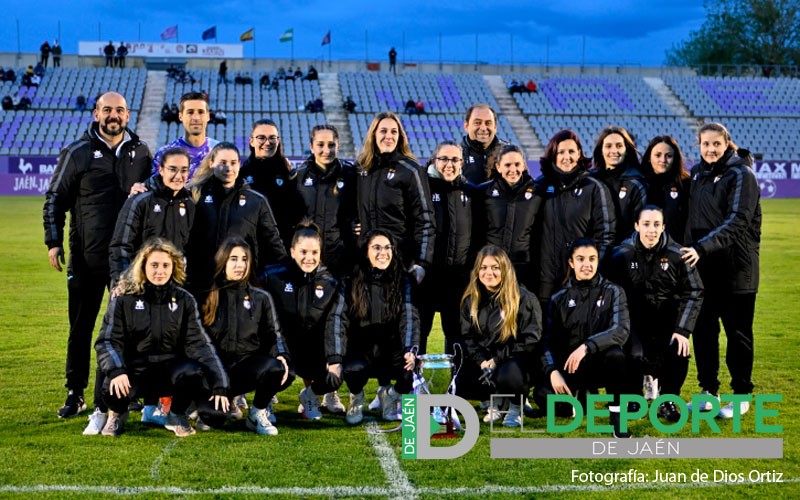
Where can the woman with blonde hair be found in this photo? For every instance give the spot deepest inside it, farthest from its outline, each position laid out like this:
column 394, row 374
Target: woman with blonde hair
column 501, row 325
column 152, row 344
column 393, row 193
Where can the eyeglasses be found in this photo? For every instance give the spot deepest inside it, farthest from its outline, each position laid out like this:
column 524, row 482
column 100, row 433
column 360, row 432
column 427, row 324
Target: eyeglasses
column 273, row 139
column 454, row 161
column 173, row 171
column 379, row 248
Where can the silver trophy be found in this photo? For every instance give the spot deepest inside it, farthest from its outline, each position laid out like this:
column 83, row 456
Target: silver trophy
column 436, row 376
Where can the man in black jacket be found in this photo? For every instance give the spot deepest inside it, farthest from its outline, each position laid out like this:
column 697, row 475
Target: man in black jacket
column 480, row 142
column 92, row 180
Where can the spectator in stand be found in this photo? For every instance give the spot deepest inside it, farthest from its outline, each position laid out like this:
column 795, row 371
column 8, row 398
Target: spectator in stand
column 122, row 52
column 174, row 113
column 45, row 50
column 420, row 107
column 10, row 75
column 8, row 103
column 221, row 118
column 165, row 113
column 393, row 61
column 281, row 74
column 264, row 81
column 275, row 84
column 410, row 107
column 38, row 70
column 223, row 72
column 56, row 51
column 109, row 51
column 349, row 105
column 312, row 73
column 298, row 74
column 36, row 80
column 531, row 86
column 23, row 104
column 80, row 102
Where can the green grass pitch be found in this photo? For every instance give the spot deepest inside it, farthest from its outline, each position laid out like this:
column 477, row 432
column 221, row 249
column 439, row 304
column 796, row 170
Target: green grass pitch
column 44, row 457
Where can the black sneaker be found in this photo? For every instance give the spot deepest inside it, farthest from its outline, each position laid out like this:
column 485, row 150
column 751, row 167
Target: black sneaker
column 73, row 405
column 614, row 417
column 669, row 411
column 135, row 405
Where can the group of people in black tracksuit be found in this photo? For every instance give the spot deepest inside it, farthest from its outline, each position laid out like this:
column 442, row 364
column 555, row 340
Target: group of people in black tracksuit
column 576, row 280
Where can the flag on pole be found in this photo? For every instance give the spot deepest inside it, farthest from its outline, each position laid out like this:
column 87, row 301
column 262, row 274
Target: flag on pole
column 247, row 35
column 288, row 36
column 210, row 33
column 326, row 39
column 171, row 32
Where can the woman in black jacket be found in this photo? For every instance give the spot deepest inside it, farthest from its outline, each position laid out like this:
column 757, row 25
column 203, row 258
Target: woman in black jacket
column 243, row 323
column 152, row 344
column 616, row 163
column 305, row 294
column 327, row 188
column 501, row 323
column 723, row 236
column 382, row 326
column 664, row 296
column 393, row 193
column 667, row 183
column 587, row 325
column 227, row 206
column 574, row 205
column 508, row 210
column 451, row 197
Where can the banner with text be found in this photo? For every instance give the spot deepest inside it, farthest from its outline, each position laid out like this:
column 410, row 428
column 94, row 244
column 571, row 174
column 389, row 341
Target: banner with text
column 162, row 49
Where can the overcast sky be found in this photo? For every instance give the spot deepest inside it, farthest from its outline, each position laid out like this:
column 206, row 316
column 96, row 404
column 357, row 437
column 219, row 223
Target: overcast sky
column 623, row 31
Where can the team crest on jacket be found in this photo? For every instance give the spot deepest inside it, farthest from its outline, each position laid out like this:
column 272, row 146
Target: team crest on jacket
column 340, row 184
column 390, row 175
column 551, row 189
column 622, row 192
column 319, row 292
column 495, row 193
column 249, row 179
column 308, row 182
column 279, row 181
column 182, row 209
column 242, row 200
column 436, row 197
column 157, row 208
column 209, row 199
column 578, row 192
column 98, row 154
column 529, row 194
column 673, row 193
column 600, row 301
column 664, row 264
column 717, row 178
column 246, row 302
column 288, row 288
column 173, row 306
column 139, row 305
column 571, row 303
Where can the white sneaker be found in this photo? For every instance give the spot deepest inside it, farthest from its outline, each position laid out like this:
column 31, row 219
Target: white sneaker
column 705, row 406
column 651, row 389
column 727, row 410
column 310, row 404
column 332, row 402
column 97, row 421
column 375, row 403
column 201, row 426
column 492, row 414
column 390, row 404
column 270, row 414
column 240, row 402
column 513, row 417
column 153, row 415
column 179, row 424
column 258, row 421
column 115, row 423
column 355, row 413
column 274, row 400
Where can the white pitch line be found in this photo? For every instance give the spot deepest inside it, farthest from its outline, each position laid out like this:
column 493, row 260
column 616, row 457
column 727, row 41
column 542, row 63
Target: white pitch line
column 397, row 479
column 154, row 468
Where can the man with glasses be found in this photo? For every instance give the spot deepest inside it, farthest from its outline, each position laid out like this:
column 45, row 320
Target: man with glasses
column 194, row 115
column 91, row 181
column 269, row 172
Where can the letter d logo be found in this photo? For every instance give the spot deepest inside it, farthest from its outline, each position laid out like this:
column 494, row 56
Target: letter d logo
column 421, row 427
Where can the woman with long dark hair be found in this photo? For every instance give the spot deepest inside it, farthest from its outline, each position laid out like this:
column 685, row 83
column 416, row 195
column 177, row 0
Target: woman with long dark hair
column 501, row 323
column 152, row 344
column 667, row 182
column 243, row 322
column 382, row 326
column 723, row 236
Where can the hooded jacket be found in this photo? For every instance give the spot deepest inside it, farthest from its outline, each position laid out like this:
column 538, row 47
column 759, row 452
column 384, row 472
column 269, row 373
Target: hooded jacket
column 658, row 284
column 157, row 212
column 592, row 312
column 305, row 303
column 394, row 195
column 724, row 223
column 482, row 342
column 160, row 325
column 246, row 324
column 272, row 178
column 92, row 182
column 452, row 207
column 574, row 205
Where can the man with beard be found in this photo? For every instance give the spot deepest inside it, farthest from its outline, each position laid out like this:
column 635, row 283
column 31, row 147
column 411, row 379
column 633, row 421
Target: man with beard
column 480, row 141
column 91, row 181
column 271, row 174
column 194, row 115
